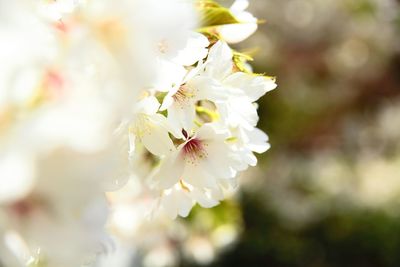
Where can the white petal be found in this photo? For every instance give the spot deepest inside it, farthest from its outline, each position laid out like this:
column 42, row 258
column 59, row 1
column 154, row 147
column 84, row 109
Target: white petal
column 239, row 112
column 217, row 193
column 241, row 159
column 204, row 200
column 249, row 158
column 253, row 86
column 182, row 116
column 209, row 89
column 258, row 141
column 157, row 141
column 148, row 105
column 195, row 50
column 239, row 5
column 212, row 131
column 219, row 161
column 170, row 206
column 168, row 74
column 199, row 69
column 185, row 203
column 176, row 202
column 229, row 184
column 199, row 176
column 219, row 61
column 236, row 33
column 132, row 143
column 168, row 99
column 169, row 172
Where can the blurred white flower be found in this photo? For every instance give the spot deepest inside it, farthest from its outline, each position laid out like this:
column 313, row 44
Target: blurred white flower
column 55, row 10
column 65, row 204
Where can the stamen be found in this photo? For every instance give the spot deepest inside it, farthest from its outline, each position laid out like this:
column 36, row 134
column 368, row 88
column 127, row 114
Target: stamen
column 183, row 186
column 141, row 126
column 163, row 46
column 194, row 150
column 183, row 94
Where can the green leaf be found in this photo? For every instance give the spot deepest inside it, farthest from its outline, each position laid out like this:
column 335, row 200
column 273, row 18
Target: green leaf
column 213, row 14
column 240, row 60
column 210, row 33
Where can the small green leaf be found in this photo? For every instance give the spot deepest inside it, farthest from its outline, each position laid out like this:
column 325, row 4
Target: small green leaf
column 160, row 96
column 212, row 14
column 240, row 60
column 210, row 33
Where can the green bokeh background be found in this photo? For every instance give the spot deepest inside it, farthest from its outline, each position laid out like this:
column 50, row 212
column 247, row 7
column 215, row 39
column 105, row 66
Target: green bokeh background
column 326, row 194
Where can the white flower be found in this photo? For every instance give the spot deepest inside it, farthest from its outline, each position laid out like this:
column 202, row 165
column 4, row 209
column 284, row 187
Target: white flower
column 245, row 142
column 181, row 100
column 67, row 204
column 170, row 71
column 194, row 50
column 150, row 128
column 176, row 201
column 235, row 33
column 240, row 110
column 200, row 161
column 243, row 88
column 180, row 199
column 209, row 157
column 204, row 82
column 173, row 28
column 167, row 75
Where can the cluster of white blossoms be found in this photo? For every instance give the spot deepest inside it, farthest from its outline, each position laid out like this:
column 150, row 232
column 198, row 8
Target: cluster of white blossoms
column 92, row 92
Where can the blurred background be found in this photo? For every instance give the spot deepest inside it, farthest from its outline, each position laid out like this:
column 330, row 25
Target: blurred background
column 328, row 192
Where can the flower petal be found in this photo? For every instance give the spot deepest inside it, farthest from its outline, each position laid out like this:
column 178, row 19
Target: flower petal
column 169, row 172
column 219, row 61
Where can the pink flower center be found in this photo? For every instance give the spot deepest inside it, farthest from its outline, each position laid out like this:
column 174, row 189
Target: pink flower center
column 27, row 206
column 61, row 26
column 22, row 208
column 194, row 150
column 54, row 80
